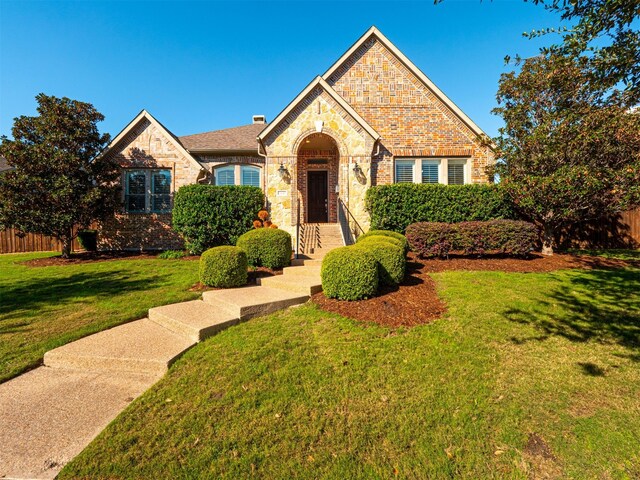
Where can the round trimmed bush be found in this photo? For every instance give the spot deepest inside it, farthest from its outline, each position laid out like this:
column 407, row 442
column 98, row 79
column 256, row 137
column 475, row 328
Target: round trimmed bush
column 349, row 273
column 266, row 247
column 224, row 267
column 389, row 234
column 390, row 259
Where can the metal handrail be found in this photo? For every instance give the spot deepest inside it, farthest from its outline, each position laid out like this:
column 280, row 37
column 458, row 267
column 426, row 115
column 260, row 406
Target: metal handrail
column 348, row 223
column 297, row 227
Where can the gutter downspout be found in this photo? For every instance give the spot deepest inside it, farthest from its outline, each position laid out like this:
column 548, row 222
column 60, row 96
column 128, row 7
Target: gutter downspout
column 266, row 161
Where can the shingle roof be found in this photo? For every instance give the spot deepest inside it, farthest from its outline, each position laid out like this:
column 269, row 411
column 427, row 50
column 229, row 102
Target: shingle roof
column 236, row 138
column 4, row 165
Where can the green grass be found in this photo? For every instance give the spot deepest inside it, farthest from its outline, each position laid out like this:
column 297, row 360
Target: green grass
column 619, row 254
column 306, row 394
column 44, row 307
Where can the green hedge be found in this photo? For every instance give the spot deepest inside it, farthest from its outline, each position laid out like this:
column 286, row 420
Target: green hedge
column 349, row 273
column 390, row 259
column 396, row 237
column 208, row 215
column 266, row 247
column 224, row 267
column 395, row 207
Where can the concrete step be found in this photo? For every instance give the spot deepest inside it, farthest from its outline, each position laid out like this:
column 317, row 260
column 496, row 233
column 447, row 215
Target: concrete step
column 196, row 320
column 304, row 271
column 142, row 346
column 253, row 301
column 301, row 284
column 296, row 262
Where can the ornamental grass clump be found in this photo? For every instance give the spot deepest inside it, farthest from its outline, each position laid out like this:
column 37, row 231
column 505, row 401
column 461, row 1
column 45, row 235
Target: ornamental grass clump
column 266, row 247
column 349, row 273
column 224, row 267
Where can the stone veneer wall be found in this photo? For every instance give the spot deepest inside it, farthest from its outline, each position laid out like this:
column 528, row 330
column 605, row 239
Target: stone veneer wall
column 283, row 146
column 147, row 147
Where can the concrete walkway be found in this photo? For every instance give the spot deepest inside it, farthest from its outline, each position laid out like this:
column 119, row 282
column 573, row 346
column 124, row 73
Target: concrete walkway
column 48, row 415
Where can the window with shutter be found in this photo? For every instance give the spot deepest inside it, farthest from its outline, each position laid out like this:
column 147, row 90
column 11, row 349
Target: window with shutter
column 404, row 171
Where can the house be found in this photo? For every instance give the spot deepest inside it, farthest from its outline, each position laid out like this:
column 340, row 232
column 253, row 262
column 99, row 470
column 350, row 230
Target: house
column 373, row 118
column 4, row 165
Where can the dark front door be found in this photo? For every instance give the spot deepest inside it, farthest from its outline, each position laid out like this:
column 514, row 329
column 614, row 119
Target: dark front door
column 317, row 196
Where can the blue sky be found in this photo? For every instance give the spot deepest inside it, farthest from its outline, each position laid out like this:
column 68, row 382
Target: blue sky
column 199, row 66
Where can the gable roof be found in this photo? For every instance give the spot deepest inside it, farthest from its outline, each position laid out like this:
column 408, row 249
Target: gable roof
column 4, row 165
column 319, row 81
column 235, row 139
column 172, row 138
column 374, row 32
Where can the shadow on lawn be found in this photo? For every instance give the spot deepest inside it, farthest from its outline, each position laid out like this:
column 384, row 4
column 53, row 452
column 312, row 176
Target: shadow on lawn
column 32, row 294
column 601, row 305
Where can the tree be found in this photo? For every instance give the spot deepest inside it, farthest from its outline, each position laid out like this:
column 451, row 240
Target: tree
column 569, row 149
column 59, row 183
column 605, row 34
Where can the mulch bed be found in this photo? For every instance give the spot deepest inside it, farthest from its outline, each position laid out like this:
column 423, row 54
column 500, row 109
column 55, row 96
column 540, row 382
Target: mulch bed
column 415, row 301
column 92, row 257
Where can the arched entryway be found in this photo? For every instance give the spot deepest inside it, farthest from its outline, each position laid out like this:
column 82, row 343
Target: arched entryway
column 317, row 178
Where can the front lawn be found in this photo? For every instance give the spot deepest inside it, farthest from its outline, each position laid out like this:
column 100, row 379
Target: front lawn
column 44, row 307
column 529, row 375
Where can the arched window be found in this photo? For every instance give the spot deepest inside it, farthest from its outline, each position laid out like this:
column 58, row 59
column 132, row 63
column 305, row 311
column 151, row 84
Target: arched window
column 237, row 175
column 225, row 175
column 250, row 176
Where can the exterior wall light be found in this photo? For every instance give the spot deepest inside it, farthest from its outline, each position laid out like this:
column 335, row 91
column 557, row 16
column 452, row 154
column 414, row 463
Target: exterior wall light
column 284, row 173
column 357, row 170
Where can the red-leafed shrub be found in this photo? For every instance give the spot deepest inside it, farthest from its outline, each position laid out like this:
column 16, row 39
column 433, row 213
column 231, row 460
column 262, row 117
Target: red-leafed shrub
column 510, row 237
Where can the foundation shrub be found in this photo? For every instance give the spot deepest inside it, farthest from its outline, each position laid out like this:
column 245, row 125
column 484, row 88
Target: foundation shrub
column 398, row 238
column 224, row 267
column 209, row 215
column 349, row 273
column 436, row 239
column 395, row 207
column 390, row 259
column 266, row 247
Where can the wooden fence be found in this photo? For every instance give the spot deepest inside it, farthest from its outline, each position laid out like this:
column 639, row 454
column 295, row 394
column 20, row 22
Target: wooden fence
column 11, row 241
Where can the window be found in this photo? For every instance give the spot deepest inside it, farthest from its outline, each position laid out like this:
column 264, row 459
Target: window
column 225, row 175
column 237, row 175
column 455, row 172
column 147, row 191
column 250, row 176
column 430, row 171
column 404, row 171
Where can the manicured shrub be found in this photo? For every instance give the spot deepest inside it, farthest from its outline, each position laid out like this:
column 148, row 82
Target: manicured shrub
column 208, row 215
column 224, row 267
column 88, row 239
column 396, row 206
column 266, row 247
column 511, row 237
column 398, row 237
column 172, row 254
column 390, row 259
column 349, row 273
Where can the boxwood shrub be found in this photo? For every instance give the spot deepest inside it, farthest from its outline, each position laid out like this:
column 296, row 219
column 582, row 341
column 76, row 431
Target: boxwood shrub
column 224, row 267
column 266, row 247
column 349, row 273
column 395, row 236
column 396, row 206
column 511, row 237
column 390, row 259
column 208, row 215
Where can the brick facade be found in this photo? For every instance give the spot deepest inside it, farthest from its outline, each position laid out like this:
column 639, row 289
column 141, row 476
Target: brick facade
column 147, row 146
column 371, row 108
